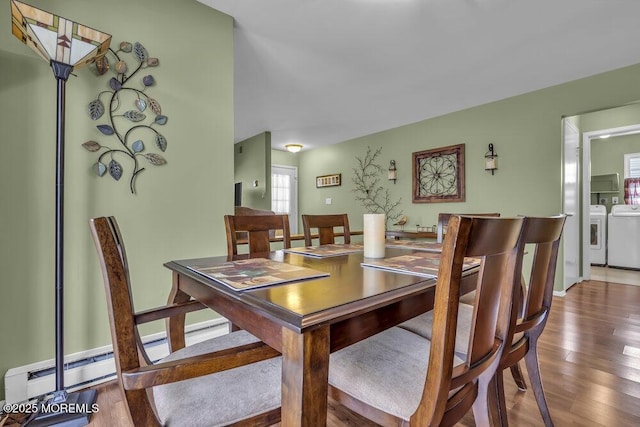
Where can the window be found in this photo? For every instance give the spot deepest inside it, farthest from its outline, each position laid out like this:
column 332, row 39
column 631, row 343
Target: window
column 632, row 165
column 284, row 190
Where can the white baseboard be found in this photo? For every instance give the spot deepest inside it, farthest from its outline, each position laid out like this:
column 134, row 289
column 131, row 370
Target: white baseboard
column 94, row 366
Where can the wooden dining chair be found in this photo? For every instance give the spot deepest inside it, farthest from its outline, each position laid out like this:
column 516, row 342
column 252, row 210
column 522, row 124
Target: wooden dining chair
column 224, row 380
column 398, row 377
column 258, row 229
column 530, row 315
column 443, row 221
column 540, row 236
column 326, row 225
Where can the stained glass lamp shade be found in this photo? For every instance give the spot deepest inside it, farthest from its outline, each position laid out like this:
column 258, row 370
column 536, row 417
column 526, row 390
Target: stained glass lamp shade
column 65, row 45
column 55, row 38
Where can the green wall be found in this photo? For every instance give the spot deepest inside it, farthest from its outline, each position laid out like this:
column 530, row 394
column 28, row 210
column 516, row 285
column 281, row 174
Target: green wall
column 178, row 210
column 284, row 158
column 610, row 118
column 525, row 131
column 252, row 161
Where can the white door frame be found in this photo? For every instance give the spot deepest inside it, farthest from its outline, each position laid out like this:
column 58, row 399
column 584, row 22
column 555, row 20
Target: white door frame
column 586, row 186
column 571, row 205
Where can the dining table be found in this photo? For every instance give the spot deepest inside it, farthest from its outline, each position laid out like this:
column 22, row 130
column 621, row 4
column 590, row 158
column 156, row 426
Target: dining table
column 307, row 320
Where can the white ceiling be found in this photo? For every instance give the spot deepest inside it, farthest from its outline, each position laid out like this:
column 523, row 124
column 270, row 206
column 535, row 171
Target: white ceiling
column 318, row 72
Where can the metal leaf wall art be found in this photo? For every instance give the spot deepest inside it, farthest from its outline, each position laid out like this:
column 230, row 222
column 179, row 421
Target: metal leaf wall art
column 131, row 115
column 373, row 197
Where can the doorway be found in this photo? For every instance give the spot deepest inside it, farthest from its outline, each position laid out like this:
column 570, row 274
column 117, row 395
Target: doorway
column 284, row 193
column 613, row 275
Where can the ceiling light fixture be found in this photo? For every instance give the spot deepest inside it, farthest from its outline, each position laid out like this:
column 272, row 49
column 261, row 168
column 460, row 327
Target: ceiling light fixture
column 293, row 148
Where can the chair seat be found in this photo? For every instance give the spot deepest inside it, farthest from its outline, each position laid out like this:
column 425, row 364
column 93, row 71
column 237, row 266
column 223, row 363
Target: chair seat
column 468, row 298
column 423, row 326
column 224, row 397
column 387, row 371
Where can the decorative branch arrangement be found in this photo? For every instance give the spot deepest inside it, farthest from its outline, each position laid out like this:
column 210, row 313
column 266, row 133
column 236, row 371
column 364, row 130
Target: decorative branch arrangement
column 371, row 195
column 131, row 122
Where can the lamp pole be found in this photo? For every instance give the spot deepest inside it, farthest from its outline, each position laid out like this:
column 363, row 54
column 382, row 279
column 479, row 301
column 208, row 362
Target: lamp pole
column 80, row 403
column 61, row 72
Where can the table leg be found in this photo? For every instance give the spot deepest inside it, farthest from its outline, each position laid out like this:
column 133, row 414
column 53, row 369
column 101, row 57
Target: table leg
column 305, row 376
column 175, row 324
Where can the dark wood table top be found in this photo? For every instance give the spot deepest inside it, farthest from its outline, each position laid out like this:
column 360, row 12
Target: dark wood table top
column 348, row 288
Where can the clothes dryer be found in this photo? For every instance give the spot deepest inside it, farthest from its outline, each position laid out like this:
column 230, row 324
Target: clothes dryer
column 598, row 226
column 624, row 236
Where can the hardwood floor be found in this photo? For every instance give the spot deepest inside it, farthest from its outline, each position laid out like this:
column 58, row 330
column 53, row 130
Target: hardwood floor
column 589, row 356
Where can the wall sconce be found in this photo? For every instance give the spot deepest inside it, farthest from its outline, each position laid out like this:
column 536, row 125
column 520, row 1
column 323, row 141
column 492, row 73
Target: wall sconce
column 490, row 160
column 293, row 148
column 392, row 171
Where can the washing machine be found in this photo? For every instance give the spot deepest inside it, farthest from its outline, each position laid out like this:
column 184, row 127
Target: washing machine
column 624, row 236
column 598, row 226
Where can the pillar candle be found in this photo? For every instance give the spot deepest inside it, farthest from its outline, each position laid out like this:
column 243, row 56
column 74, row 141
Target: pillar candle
column 374, row 235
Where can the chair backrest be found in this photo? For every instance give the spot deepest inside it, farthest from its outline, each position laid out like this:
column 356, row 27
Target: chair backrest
column 326, row 228
column 246, row 211
column 443, row 220
column 258, row 228
column 127, row 347
column 496, row 242
column 542, row 237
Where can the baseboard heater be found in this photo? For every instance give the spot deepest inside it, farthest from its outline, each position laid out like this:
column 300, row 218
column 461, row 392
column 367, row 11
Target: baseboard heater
column 91, row 367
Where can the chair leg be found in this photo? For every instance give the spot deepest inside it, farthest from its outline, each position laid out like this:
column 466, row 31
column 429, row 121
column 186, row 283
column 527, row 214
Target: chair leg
column 531, row 360
column 499, row 404
column 496, row 402
column 480, row 407
column 516, row 372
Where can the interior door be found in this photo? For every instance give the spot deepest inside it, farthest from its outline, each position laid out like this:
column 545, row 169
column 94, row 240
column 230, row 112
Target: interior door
column 571, row 204
column 284, row 193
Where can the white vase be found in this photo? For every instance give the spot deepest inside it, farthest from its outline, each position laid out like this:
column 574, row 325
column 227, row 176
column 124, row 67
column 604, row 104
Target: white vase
column 374, row 235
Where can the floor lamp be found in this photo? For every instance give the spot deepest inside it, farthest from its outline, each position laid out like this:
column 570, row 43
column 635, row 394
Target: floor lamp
column 66, row 46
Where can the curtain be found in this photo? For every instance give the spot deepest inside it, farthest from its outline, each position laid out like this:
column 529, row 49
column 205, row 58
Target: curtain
column 632, row 191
